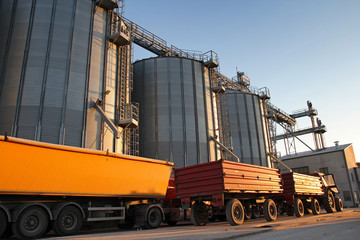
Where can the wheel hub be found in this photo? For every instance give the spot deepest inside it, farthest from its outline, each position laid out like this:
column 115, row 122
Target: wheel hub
column 237, row 212
column 31, row 223
column 272, row 210
column 152, row 217
column 68, row 221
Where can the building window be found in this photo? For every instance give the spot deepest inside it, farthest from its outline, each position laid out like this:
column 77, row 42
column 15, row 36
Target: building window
column 304, row 169
column 324, row 170
column 347, row 196
column 352, row 177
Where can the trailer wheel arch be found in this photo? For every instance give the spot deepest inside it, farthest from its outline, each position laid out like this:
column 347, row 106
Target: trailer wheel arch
column 19, row 209
column 56, row 211
column 7, row 212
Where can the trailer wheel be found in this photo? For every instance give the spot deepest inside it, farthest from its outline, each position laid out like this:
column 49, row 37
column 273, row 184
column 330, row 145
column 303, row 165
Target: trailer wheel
column 153, row 218
column 3, row 222
column 31, row 223
column 329, row 202
column 68, row 222
column 270, row 211
column 199, row 214
column 315, row 206
column 255, row 212
column 247, row 211
column 234, row 212
column 339, row 204
column 299, row 208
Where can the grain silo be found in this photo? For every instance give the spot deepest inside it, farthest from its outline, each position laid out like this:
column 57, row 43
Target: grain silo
column 242, row 113
column 176, row 111
column 248, row 127
column 58, row 59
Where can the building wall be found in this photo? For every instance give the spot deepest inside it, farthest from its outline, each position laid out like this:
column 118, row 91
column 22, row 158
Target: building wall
column 340, row 163
column 353, row 174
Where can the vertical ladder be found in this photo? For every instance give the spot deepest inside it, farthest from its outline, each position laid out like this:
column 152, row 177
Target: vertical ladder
column 123, row 65
column 224, row 125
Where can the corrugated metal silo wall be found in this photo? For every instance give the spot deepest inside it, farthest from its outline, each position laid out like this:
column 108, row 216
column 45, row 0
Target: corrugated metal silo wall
column 247, row 130
column 173, row 110
column 47, row 86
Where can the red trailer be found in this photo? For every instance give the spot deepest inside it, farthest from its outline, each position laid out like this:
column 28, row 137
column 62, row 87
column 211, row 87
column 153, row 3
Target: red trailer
column 237, row 189
column 302, row 192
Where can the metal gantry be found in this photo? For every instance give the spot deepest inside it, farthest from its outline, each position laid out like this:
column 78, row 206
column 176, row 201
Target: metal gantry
column 290, row 133
column 123, row 32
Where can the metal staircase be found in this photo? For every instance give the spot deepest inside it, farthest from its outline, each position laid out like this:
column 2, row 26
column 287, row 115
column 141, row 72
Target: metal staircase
column 125, row 126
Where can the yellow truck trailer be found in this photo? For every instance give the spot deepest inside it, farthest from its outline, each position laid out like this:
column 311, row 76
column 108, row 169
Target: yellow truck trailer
column 44, row 186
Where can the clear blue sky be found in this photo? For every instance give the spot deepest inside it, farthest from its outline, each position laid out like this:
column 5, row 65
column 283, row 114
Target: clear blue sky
column 300, row 49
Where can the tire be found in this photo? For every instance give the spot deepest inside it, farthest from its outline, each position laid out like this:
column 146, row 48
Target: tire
column 247, row 211
column 270, row 210
column 3, row 222
column 255, row 212
column 68, row 222
column 315, row 206
column 234, row 212
column 153, row 218
column 199, row 214
column 339, row 204
column 329, row 202
column 299, row 208
column 31, row 223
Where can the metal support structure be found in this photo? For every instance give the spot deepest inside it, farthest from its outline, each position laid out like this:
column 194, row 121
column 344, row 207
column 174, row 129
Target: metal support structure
column 282, row 164
column 98, row 106
column 225, row 149
column 295, row 133
column 317, row 130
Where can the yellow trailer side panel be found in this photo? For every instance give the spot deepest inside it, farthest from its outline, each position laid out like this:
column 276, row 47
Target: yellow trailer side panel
column 29, row 167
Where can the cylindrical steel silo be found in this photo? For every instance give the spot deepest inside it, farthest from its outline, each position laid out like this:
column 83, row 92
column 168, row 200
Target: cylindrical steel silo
column 175, row 110
column 55, row 62
column 247, row 126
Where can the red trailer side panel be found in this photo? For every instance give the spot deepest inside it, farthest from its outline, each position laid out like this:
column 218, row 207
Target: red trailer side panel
column 246, row 178
column 220, row 177
column 199, row 180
